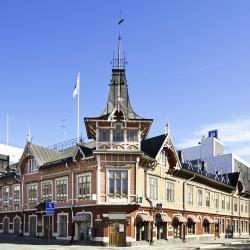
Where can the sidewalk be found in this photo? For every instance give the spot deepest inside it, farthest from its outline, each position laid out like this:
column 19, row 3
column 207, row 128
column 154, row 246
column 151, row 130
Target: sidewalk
column 204, row 244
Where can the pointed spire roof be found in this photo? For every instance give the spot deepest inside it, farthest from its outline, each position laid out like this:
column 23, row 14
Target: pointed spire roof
column 118, row 95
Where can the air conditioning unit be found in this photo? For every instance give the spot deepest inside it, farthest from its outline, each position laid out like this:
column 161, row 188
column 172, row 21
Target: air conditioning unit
column 139, row 199
column 159, row 206
column 93, row 197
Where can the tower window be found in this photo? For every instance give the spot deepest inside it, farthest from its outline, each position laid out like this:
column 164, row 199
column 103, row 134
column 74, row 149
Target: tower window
column 132, row 135
column 104, row 135
column 118, row 133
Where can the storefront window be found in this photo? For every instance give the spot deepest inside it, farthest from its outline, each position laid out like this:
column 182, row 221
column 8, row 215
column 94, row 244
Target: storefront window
column 191, row 228
column 206, row 227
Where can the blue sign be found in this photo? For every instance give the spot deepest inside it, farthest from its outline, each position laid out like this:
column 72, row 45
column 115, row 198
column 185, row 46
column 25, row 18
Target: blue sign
column 50, row 208
column 213, row 133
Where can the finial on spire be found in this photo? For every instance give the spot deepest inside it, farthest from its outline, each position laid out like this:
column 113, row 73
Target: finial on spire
column 29, row 137
column 167, row 128
column 119, row 62
column 121, row 20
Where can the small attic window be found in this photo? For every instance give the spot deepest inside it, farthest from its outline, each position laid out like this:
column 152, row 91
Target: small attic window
column 32, row 165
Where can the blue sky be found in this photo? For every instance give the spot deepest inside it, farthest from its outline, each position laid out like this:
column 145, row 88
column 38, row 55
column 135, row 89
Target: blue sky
column 188, row 63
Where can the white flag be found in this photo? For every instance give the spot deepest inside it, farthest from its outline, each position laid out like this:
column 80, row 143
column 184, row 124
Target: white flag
column 77, row 87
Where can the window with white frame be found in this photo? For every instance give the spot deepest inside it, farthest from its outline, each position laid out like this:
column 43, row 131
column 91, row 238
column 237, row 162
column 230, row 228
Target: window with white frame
column 84, row 186
column 16, row 193
column 235, row 205
column 61, row 189
column 132, row 135
column 63, row 225
column 104, row 135
column 228, row 203
column 241, row 206
column 223, row 202
column 47, row 191
column 5, row 196
column 207, row 199
column 32, row 165
column 246, row 207
column 200, row 197
column 170, row 191
column 153, row 188
column 118, row 182
column 118, row 135
column 190, row 195
column 32, row 193
column 216, row 198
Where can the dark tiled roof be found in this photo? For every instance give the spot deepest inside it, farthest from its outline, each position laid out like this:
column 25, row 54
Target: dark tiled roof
column 233, row 178
column 152, row 145
column 87, row 151
column 229, row 178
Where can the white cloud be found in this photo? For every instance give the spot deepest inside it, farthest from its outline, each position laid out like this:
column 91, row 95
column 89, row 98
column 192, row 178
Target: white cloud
column 234, row 133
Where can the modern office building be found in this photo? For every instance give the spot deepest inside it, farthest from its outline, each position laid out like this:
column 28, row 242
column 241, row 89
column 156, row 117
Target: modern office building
column 210, row 152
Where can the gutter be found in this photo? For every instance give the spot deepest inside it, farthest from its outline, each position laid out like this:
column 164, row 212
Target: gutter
column 184, row 204
column 151, row 205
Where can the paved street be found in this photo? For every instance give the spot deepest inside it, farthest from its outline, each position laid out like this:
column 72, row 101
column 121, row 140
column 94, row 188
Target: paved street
column 23, row 243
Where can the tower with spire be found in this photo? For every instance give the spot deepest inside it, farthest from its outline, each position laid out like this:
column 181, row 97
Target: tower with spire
column 118, row 126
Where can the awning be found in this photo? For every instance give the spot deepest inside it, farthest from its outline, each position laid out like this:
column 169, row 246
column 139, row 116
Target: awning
column 81, row 217
column 163, row 218
column 180, row 219
column 207, row 219
column 144, row 217
column 193, row 218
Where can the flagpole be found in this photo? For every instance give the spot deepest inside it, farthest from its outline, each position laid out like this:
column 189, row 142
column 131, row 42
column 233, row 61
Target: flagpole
column 78, row 111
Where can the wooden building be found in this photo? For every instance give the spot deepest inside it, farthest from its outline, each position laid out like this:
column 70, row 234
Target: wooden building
column 121, row 188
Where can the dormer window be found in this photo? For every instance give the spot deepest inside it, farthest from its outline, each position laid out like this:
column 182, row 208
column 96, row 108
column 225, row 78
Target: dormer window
column 104, row 135
column 32, row 165
column 118, row 133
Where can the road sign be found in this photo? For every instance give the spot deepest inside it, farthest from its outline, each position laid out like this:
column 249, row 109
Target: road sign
column 50, row 208
column 213, row 133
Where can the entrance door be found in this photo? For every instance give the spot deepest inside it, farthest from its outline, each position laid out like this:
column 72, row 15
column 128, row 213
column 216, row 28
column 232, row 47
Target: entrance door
column 17, row 226
column 83, row 230
column 117, row 234
column 32, row 226
column 177, row 230
column 6, row 226
column 216, row 230
column 161, row 230
column 47, row 226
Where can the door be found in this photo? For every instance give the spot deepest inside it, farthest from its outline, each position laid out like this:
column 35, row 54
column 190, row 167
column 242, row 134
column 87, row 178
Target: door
column 84, row 230
column 117, row 234
column 177, row 230
column 32, row 226
column 216, row 230
column 6, row 226
column 17, row 224
column 161, row 230
column 47, row 227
